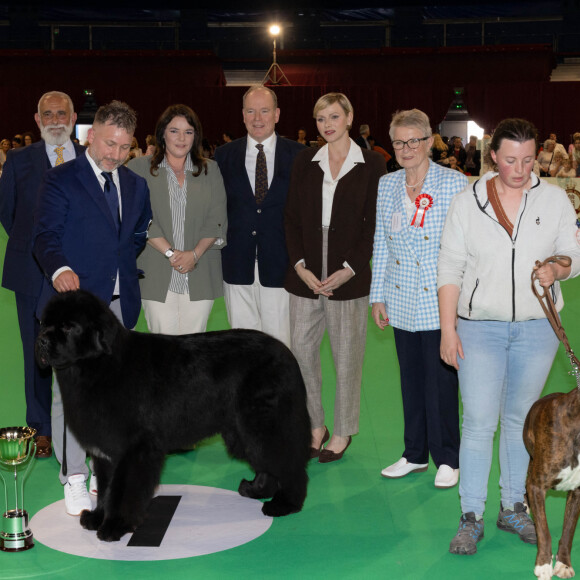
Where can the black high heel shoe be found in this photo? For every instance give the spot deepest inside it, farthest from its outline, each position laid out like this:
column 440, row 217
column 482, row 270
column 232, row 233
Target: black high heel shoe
column 327, row 456
column 316, row 452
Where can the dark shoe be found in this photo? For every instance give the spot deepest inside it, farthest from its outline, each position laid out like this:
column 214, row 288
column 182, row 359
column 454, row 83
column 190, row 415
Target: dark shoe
column 470, row 531
column 316, row 452
column 43, row 446
column 517, row 521
column 327, row 456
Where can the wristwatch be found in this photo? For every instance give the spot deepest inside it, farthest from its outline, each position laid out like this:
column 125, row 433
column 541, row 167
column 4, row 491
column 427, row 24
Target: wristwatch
column 169, row 252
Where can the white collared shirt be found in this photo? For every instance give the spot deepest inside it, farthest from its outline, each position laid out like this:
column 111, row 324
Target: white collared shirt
column 98, row 171
column 68, row 153
column 252, row 155
column 329, row 184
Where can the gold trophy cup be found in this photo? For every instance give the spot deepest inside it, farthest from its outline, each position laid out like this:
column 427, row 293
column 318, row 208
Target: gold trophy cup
column 17, row 448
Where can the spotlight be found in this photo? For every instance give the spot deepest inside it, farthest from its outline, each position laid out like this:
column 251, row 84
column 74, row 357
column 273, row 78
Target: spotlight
column 275, row 74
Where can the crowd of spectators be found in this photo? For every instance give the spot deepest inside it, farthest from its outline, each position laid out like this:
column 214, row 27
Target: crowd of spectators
column 552, row 159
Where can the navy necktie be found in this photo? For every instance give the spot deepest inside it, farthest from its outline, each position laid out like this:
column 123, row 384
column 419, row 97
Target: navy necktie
column 112, row 197
column 261, row 175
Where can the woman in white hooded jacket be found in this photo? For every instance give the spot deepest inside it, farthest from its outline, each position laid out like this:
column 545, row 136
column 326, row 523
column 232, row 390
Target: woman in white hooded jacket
column 493, row 329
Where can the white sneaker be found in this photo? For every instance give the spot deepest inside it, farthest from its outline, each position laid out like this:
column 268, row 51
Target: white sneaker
column 93, row 487
column 446, row 477
column 402, row 468
column 76, row 497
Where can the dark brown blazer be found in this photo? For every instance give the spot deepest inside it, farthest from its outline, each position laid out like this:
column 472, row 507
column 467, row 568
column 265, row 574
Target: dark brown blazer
column 352, row 223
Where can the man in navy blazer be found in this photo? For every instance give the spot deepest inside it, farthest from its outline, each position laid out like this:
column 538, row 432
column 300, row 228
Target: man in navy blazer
column 23, row 174
column 255, row 259
column 90, row 224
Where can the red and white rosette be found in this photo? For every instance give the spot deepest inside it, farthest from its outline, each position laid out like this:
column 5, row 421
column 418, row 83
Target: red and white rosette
column 423, row 202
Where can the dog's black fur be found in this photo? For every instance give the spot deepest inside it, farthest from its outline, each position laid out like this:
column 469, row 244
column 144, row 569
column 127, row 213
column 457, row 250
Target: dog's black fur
column 131, row 397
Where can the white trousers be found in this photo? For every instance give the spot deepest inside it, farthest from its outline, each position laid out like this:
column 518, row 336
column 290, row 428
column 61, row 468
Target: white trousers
column 258, row 307
column 177, row 315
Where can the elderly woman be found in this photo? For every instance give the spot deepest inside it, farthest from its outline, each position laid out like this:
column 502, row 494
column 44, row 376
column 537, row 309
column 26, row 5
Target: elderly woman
column 493, row 329
column 411, row 208
column 182, row 261
column 546, row 157
column 330, row 220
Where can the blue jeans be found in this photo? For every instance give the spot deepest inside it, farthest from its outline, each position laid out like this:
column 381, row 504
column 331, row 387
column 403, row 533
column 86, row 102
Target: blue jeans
column 504, row 371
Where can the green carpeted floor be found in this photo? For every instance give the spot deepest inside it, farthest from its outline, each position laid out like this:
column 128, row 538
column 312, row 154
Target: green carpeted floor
column 355, row 524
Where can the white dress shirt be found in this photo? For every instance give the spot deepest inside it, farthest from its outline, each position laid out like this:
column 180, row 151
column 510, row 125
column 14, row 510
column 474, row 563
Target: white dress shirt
column 68, row 153
column 252, row 155
column 329, row 183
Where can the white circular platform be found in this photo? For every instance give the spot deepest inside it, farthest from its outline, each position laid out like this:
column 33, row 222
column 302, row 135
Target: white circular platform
column 207, row 520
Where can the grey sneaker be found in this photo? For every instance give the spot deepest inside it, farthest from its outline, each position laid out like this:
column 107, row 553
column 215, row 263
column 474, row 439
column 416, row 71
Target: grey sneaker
column 470, row 531
column 517, row 521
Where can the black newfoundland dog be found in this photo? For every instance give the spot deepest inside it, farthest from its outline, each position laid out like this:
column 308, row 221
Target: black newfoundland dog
column 131, row 397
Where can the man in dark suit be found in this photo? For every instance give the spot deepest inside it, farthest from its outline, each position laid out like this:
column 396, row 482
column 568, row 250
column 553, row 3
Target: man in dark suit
column 91, row 223
column 255, row 259
column 22, row 176
column 362, row 139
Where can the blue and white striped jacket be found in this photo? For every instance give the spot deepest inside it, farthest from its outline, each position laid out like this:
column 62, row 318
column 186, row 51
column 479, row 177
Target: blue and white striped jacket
column 405, row 261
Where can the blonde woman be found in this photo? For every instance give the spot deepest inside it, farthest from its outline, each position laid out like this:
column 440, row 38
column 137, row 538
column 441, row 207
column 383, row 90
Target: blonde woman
column 330, row 221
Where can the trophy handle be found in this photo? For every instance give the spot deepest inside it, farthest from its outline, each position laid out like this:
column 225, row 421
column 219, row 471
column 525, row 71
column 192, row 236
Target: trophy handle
column 29, row 458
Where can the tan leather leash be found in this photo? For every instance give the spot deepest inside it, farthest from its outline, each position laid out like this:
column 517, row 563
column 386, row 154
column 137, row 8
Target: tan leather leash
column 549, row 308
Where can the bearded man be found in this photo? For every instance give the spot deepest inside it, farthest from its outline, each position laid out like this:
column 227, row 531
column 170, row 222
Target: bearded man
column 22, row 176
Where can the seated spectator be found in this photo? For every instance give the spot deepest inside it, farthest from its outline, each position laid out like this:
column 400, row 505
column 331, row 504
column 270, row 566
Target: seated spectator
column 575, row 154
column 28, row 138
column 546, row 157
column 150, row 142
column 453, row 164
column 438, row 148
column 17, row 141
column 558, row 163
column 302, row 137
column 362, row 140
column 571, row 146
column 566, row 169
column 559, row 146
column 472, row 157
column 4, row 148
column 458, row 152
column 135, row 149
column 443, row 159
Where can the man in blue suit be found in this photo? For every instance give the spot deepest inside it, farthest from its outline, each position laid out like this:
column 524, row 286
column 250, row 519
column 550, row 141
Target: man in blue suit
column 90, row 224
column 255, row 259
column 23, row 174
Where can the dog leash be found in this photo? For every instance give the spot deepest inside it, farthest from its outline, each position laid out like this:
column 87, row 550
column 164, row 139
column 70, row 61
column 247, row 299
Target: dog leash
column 549, row 308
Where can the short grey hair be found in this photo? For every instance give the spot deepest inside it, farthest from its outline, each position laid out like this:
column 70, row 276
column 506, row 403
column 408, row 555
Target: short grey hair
column 364, row 129
column 255, row 88
column 58, row 94
column 411, row 118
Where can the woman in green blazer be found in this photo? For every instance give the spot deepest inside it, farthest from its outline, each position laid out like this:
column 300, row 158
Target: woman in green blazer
column 182, row 261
